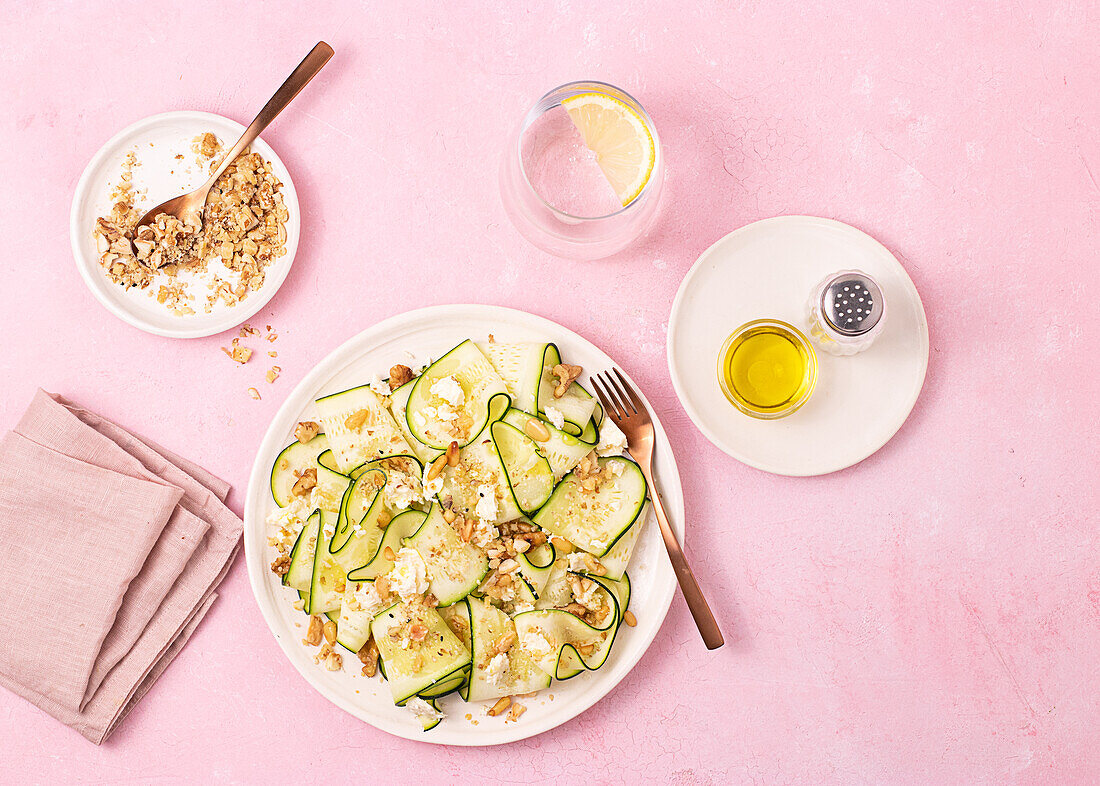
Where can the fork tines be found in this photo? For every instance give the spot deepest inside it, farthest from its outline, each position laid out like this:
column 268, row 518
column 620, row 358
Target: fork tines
column 617, row 396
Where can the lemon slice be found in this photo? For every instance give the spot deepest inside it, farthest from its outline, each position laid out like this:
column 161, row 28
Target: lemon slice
column 620, row 139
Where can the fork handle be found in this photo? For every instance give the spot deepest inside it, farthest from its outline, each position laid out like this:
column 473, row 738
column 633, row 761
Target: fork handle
column 697, row 603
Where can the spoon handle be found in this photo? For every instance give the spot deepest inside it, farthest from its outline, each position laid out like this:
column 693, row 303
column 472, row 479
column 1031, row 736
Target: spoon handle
column 299, row 78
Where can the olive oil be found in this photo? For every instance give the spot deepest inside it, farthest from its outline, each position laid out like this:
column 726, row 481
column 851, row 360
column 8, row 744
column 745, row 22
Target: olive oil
column 767, row 369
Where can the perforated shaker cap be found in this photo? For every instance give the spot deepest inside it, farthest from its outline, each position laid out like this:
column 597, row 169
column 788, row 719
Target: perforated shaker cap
column 852, row 303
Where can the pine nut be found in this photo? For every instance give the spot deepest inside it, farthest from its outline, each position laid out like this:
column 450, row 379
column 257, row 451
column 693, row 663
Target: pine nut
column 562, row 545
column 329, row 631
column 630, row 619
column 449, row 516
column 356, row 419
column 536, row 430
column 505, row 642
column 452, row 454
column 388, row 553
column 500, row 706
column 437, row 467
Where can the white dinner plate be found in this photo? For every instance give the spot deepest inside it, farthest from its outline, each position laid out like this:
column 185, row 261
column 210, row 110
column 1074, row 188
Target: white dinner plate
column 766, row 270
column 429, row 333
column 156, row 141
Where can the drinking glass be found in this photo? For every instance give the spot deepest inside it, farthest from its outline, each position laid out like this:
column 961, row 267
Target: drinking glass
column 555, row 194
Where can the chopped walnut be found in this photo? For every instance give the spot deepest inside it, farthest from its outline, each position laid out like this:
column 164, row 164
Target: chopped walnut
column 307, row 430
column 566, row 374
column 306, row 482
column 331, row 658
column 368, row 656
column 240, row 354
column 205, row 147
column 281, row 565
column 399, row 375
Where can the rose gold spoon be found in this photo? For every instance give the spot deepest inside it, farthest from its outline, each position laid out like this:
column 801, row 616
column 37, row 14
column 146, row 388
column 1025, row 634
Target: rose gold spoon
column 189, row 207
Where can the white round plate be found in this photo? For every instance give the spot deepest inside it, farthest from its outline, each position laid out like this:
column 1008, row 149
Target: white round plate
column 428, row 333
column 767, row 270
column 156, row 141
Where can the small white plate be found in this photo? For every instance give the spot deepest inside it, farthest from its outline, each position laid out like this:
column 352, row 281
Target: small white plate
column 156, row 141
column 429, row 332
column 767, row 270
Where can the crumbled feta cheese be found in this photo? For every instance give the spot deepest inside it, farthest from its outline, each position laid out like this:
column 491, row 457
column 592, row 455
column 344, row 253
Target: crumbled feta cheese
column 487, row 508
column 409, row 576
column 365, row 598
column 498, row 669
column 591, row 598
column 419, row 420
column 449, row 390
column 402, row 489
column 379, row 386
column 556, row 417
column 616, row 468
column 612, row 440
column 484, row 533
column 291, row 517
column 523, row 606
column 536, row 645
column 422, row 710
column 446, row 413
column 431, row 487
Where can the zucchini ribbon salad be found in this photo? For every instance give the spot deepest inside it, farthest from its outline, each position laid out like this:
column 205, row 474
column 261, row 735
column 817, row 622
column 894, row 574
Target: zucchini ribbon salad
column 465, row 530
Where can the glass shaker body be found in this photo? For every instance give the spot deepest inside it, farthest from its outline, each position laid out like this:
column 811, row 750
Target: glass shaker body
column 846, row 312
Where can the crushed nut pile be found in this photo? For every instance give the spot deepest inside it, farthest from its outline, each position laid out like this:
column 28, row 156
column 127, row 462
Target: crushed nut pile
column 243, row 231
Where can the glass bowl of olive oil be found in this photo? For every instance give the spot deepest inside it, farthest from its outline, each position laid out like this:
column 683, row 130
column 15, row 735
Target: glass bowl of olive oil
column 767, row 369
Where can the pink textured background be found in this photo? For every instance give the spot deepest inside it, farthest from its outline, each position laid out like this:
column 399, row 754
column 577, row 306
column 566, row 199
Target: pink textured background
column 931, row 615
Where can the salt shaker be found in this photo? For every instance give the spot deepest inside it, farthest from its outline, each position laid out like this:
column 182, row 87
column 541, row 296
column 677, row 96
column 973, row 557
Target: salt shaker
column 846, row 312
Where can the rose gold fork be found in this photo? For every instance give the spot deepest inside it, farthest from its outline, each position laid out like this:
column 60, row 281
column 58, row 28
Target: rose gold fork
column 625, row 407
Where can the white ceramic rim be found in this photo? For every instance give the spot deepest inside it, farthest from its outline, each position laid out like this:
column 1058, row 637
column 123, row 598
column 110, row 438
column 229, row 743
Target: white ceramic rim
column 700, row 420
column 90, row 269
column 599, row 682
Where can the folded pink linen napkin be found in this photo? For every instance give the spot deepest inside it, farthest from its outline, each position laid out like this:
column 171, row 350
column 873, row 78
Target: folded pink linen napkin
column 113, row 547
